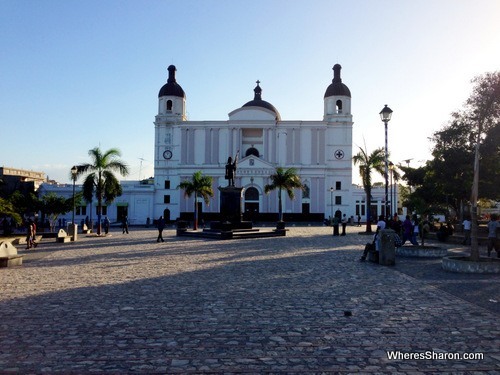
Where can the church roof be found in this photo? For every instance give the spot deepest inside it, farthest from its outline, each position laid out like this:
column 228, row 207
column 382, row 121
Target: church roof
column 171, row 88
column 258, row 102
column 337, row 88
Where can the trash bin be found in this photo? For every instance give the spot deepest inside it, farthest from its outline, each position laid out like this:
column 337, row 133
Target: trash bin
column 387, row 256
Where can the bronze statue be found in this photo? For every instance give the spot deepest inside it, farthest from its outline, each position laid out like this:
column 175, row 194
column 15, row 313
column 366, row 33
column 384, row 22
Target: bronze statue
column 231, row 169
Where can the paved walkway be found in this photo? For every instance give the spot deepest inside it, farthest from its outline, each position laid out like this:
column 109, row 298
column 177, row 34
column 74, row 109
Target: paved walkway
column 296, row 304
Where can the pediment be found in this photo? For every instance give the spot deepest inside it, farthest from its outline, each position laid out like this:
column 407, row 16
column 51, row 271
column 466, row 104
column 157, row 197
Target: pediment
column 252, row 165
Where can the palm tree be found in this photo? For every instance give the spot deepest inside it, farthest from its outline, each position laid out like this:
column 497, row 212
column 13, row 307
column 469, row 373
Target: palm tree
column 367, row 163
column 100, row 178
column 201, row 186
column 284, row 180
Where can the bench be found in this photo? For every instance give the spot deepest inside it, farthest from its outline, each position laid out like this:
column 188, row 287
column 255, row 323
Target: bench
column 62, row 236
column 86, row 230
column 9, row 256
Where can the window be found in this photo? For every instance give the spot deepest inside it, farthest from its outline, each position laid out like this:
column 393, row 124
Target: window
column 338, row 200
column 169, row 105
column 167, row 184
column 339, row 106
column 306, row 193
column 251, row 194
column 166, row 199
column 338, row 185
column 104, row 210
column 252, row 151
column 81, row 210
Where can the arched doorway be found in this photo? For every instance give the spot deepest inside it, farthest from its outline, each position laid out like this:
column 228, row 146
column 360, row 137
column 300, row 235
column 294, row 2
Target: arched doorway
column 251, row 203
column 166, row 214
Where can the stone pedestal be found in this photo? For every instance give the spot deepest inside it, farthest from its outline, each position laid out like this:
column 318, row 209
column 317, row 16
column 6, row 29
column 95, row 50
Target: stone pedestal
column 387, row 254
column 231, row 199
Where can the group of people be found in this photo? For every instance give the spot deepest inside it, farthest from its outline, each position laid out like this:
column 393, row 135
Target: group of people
column 337, row 220
column 408, row 230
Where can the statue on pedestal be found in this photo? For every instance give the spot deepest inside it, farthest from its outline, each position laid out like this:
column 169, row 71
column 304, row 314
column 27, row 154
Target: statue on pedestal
column 231, row 169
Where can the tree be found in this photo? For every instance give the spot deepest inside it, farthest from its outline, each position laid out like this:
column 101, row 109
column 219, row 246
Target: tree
column 368, row 163
column 444, row 182
column 100, row 178
column 8, row 209
column 483, row 111
column 52, row 206
column 199, row 185
column 287, row 180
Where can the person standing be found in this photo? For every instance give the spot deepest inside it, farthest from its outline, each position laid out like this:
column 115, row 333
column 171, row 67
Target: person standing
column 493, row 241
column 407, row 229
column 344, row 224
column 359, row 220
column 160, row 225
column 336, row 222
column 29, row 234
column 467, row 228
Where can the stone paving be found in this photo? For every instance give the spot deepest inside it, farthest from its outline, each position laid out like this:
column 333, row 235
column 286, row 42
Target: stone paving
column 300, row 304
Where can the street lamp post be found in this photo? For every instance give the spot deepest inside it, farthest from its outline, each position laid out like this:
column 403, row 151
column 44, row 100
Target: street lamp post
column 74, row 172
column 331, row 203
column 391, row 168
column 385, row 116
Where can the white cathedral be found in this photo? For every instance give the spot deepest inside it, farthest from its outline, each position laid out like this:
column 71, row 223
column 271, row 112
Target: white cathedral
column 320, row 151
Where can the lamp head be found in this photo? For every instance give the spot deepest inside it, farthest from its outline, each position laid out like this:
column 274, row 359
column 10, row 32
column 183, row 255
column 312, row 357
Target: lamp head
column 386, row 114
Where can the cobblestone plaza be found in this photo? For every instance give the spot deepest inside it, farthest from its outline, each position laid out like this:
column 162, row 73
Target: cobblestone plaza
column 298, row 304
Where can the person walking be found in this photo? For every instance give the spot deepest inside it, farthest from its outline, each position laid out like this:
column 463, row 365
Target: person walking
column 467, row 224
column 125, row 225
column 106, row 225
column 160, row 225
column 29, row 235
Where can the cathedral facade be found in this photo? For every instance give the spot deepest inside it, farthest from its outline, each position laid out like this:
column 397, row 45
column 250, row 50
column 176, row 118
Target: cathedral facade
column 320, row 151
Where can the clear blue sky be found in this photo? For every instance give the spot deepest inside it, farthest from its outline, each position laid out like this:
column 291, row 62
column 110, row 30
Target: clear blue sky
column 79, row 74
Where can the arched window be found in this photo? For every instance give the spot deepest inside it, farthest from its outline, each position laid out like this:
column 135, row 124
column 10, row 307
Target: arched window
column 251, row 194
column 339, row 106
column 252, row 151
column 169, row 105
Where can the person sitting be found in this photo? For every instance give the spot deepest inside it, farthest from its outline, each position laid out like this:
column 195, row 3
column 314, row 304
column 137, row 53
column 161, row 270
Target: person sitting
column 371, row 247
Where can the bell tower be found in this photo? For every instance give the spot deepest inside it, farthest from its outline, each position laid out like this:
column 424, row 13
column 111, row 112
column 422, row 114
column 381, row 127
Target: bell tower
column 172, row 99
column 337, row 100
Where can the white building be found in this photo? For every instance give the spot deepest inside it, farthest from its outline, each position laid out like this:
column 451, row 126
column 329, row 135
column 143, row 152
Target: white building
column 320, row 151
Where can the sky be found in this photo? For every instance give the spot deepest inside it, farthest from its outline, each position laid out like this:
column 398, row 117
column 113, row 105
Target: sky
column 75, row 75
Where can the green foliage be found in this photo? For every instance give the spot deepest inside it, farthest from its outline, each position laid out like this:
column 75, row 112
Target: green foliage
column 446, row 180
column 8, row 209
column 200, row 186
column 100, row 180
column 367, row 163
column 287, row 180
column 53, row 205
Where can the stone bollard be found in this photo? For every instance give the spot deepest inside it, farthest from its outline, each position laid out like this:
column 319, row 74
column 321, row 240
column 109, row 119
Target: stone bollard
column 387, row 256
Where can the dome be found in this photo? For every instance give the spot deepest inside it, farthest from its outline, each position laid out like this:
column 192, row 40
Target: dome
column 258, row 102
column 337, row 88
column 171, row 88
